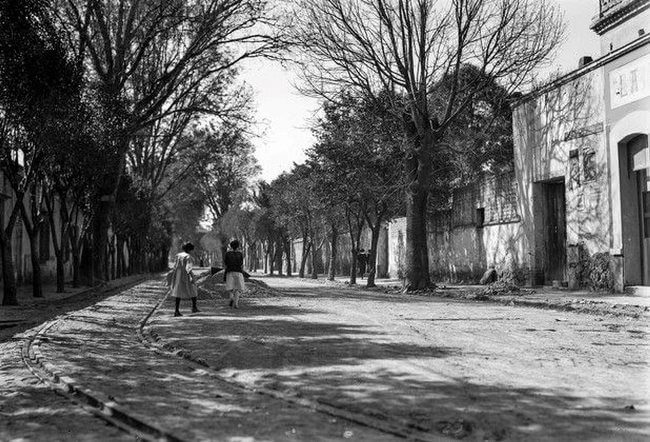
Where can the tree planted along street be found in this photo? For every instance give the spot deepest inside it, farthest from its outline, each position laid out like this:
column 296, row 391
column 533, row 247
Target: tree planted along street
column 40, row 100
column 147, row 60
column 357, row 159
column 406, row 47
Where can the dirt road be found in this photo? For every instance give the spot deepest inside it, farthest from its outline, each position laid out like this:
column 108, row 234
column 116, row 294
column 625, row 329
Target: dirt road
column 462, row 369
column 306, row 361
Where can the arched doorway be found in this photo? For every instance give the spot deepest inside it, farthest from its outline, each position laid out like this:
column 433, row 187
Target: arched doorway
column 635, row 208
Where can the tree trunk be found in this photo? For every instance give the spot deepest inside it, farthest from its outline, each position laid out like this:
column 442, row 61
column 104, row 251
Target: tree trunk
column 10, row 288
column 58, row 238
column 266, row 261
column 60, row 271
column 314, row 257
column 287, row 254
column 252, row 258
column 372, row 256
column 107, row 266
column 86, row 272
column 417, row 259
column 37, row 286
column 278, row 257
column 111, row 252
column 303, row 259
column 271, row 258
column 76, row 261
column 164, row 254
column 355, row 239
column 100, row 238
column 129, row 253
column 119, row 271
column 333, row 251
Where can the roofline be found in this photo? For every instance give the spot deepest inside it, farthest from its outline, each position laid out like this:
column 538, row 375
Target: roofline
column 614, row 16
column 598, row 63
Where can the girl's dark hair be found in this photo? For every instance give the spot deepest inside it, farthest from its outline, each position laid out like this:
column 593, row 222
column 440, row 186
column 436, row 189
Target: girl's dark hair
column 188, row 247
column 234, row 244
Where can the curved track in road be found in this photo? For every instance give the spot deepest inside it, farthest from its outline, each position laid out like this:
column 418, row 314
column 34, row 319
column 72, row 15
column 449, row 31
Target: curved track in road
column 103, row 405
column 385, row 367
column 158, row 344
column 94, row 402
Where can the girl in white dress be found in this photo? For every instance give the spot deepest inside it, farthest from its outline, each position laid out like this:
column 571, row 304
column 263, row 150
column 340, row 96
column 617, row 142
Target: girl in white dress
column 182, row 280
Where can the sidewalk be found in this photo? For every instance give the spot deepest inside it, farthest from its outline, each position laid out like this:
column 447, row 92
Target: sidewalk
column 541, row 297
column 31, row 311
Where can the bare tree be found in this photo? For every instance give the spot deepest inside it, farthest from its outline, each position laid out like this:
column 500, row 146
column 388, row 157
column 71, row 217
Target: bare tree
column 407, row 47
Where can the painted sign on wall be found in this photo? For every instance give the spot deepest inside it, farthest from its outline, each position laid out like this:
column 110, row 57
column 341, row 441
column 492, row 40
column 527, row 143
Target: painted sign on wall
column 630, row 82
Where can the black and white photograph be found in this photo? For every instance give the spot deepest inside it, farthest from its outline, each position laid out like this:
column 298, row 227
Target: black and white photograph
column 324, row 220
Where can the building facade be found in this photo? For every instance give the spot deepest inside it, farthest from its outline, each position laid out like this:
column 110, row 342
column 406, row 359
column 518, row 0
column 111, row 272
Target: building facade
column 576, row 210
column 581, row 158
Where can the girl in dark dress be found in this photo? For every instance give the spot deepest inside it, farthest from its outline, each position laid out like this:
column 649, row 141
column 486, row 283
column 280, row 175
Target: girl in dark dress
column 234, row 262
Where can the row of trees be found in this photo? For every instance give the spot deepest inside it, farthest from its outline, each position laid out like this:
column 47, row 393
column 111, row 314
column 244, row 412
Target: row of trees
column 354, row 178
column 417, row 98
column 127, row 113
column 430, row 61
column 123, row 116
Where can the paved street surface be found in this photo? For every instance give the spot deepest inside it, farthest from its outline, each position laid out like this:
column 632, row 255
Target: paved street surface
column 332, row 363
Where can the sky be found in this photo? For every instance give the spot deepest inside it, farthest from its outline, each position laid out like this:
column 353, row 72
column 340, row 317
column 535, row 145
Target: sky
column 284, row 115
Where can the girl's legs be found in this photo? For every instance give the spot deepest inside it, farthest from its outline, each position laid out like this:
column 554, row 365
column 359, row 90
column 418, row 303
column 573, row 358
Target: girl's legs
column 236, row 296
column 178, row 304
column 194, row 307
column 231, row 302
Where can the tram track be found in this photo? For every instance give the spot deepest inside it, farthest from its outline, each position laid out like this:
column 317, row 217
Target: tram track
column 159, row 345
column 104, row 407
column 93, row 402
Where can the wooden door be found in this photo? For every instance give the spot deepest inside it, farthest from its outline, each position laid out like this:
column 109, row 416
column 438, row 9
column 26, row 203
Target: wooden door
column 555, row 232
column 644, row 224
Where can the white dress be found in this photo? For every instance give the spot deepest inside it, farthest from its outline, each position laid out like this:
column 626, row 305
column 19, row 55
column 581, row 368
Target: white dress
column 235, row 281
column 182, row 283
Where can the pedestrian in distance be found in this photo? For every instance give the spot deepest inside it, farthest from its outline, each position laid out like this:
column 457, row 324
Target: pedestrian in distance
column 234, row 273
column 181, row 279
column 362, row 261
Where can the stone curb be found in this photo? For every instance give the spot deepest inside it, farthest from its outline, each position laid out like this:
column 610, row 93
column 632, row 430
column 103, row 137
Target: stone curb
column 158, row 344
column 93, row 401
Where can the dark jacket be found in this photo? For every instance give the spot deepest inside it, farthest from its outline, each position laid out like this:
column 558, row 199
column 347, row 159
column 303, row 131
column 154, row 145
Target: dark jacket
column 234, row 261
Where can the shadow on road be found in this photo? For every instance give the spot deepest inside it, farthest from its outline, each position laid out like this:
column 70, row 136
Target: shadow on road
column 364, row 369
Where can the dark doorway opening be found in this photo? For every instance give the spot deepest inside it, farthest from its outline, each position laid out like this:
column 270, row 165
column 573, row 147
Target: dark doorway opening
column 635, row 210
column 555, row 231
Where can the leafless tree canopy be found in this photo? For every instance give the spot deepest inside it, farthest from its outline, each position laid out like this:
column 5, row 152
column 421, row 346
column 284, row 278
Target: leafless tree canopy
column 415, row 50
column 408, row 46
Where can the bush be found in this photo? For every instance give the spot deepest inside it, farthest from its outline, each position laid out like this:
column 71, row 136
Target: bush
column 599, row 274
column 514, row 276
column 498, row 288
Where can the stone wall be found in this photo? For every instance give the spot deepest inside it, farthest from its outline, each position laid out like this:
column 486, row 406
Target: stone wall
column 344, row 254
column 481, row 230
